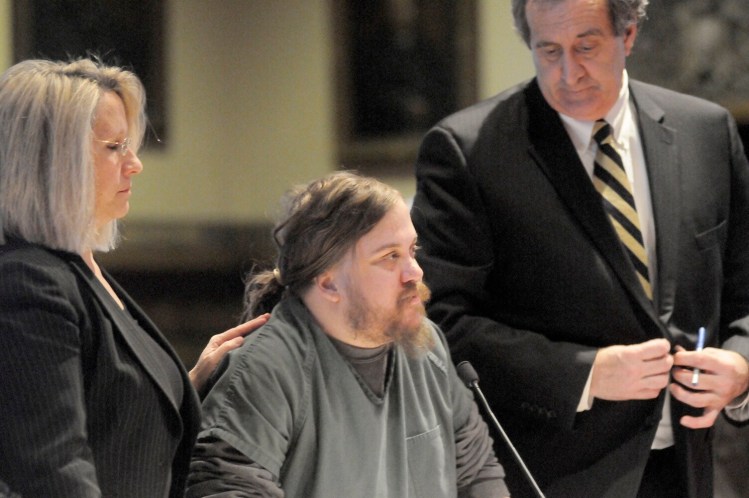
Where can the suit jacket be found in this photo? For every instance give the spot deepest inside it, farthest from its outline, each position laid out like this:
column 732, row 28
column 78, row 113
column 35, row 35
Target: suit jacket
column 88, row 409
column 529, row 278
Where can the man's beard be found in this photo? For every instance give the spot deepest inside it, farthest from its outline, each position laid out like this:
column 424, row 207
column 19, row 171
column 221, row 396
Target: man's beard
column 383, row 327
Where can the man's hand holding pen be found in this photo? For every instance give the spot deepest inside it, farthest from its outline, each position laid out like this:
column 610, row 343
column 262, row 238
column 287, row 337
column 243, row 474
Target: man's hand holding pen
column 721, row 376
column 641, row 371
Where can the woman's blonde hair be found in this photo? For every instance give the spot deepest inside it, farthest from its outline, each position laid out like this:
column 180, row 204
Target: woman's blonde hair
column 47, row 111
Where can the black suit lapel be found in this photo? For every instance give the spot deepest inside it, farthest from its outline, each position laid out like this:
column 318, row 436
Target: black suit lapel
column 125, row 329
column 552, row 149
column 661, row 159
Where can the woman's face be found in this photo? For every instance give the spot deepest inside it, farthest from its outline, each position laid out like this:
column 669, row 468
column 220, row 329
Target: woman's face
column 114, row 163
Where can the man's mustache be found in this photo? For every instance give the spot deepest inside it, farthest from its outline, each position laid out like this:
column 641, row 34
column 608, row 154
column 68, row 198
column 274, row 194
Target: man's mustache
column 420, row 288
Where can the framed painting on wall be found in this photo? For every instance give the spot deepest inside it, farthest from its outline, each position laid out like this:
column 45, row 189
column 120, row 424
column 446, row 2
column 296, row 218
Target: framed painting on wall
column 401, row 66
column 123, row 33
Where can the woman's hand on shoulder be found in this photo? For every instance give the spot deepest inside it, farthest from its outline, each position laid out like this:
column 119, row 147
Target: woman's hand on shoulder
column 218, row 346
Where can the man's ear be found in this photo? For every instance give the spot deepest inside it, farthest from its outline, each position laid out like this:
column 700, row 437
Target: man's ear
column 327, row 286
column 630, row 34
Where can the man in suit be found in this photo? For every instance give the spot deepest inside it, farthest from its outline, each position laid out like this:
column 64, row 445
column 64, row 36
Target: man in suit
column 584, row 338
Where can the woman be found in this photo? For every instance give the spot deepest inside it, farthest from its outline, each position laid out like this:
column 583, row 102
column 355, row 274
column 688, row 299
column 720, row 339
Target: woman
column 94, row 400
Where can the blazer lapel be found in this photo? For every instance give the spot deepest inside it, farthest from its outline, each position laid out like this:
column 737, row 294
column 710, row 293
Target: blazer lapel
column 125, row 329
column 661, row 159
column 556, row 156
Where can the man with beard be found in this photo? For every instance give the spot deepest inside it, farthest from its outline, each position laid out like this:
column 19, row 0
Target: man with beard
column 348, row 390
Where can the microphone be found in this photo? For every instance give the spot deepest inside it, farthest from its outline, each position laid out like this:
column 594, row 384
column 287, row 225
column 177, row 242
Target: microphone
column 468, row 375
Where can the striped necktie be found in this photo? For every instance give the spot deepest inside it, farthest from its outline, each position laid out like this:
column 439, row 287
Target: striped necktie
column 611, row 181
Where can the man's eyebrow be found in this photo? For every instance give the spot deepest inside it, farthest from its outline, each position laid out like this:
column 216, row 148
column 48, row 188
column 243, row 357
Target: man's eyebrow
column 584, row 34
column 543, row 43
column 591, row 32
column 391, row 245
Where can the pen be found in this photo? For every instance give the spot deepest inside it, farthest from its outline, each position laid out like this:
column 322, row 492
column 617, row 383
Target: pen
column 700, row 345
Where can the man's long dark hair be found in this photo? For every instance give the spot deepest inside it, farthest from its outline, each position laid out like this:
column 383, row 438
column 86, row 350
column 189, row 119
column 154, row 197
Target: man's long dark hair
column 321, row 222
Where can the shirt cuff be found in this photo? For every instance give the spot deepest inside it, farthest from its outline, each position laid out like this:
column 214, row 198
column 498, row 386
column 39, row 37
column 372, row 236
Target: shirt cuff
column 738, row 403
column 586, row 400
column 738, row 409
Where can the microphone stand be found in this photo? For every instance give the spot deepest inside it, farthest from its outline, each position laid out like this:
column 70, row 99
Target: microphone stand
column 467, row 373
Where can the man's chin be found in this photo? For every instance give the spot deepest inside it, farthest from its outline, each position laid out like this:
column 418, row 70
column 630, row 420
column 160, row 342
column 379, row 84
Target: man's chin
column 416, row 339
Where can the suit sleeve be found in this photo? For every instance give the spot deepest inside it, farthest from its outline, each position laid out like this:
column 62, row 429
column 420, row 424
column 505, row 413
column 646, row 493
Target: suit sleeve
column 735, row 301
column 459, row 258
column 43, row 441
